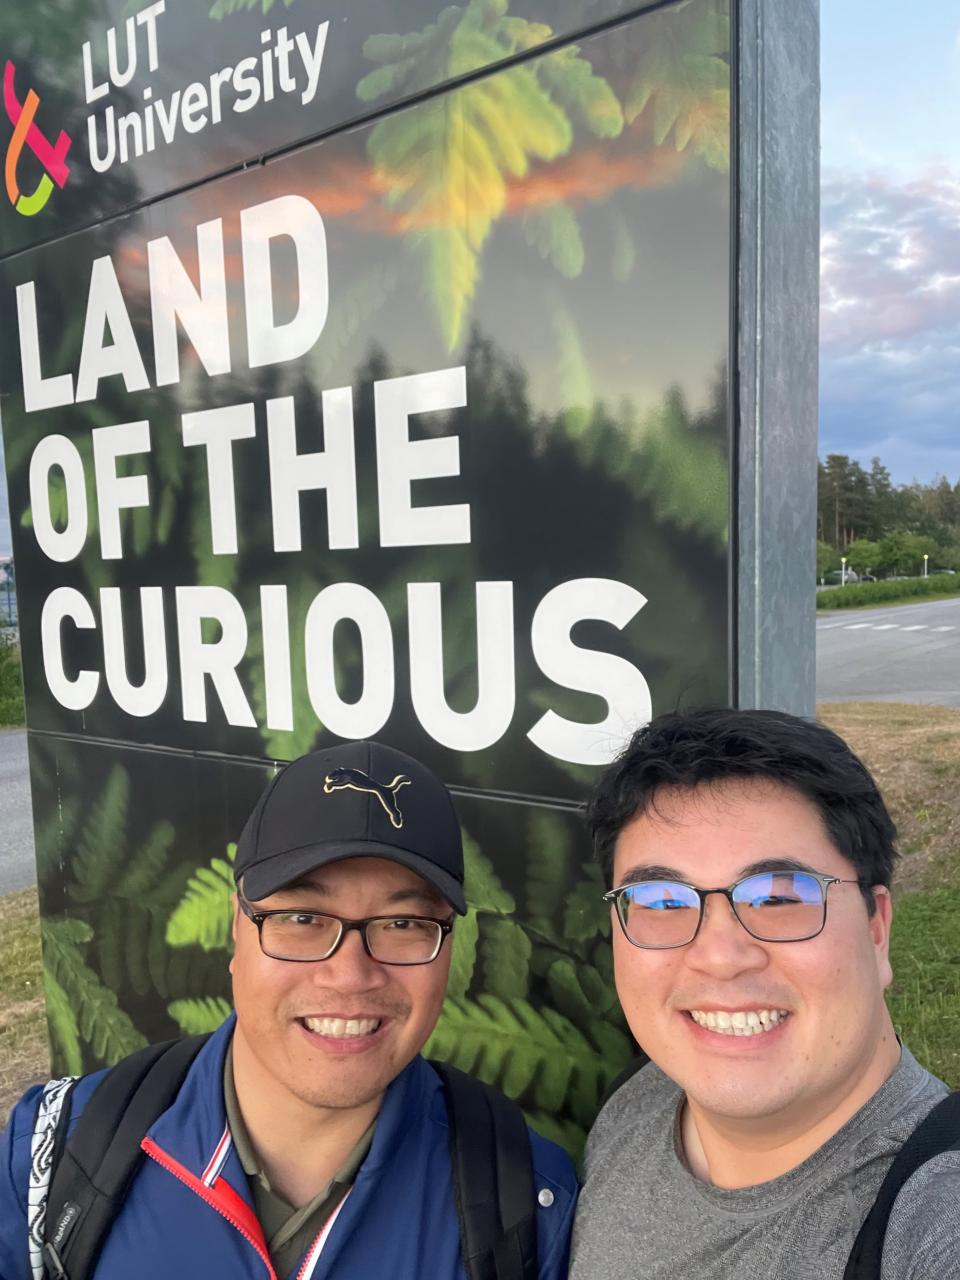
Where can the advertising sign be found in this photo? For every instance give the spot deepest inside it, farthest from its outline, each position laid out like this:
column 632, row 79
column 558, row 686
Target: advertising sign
column 418, row 430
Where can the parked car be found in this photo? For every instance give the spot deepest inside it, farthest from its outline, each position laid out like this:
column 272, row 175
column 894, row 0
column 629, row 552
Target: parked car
column 841, row 576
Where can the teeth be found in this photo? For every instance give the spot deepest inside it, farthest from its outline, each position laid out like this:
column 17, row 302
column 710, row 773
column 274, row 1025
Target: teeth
column 342, row 1028
column 742, row 1023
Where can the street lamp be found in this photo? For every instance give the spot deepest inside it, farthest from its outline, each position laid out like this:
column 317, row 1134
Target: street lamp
column 926, row 557
column 843, row 571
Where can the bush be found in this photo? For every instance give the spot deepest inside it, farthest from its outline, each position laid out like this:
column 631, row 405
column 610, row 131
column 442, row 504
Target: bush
column 11, row 685
column 858, row 593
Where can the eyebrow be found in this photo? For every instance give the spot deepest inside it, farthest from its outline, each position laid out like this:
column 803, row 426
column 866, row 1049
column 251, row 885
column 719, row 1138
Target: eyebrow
column 657, row 871
column 422, row 897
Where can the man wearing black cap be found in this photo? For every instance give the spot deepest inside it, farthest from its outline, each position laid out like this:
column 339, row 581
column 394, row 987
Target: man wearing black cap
column 308, row 1137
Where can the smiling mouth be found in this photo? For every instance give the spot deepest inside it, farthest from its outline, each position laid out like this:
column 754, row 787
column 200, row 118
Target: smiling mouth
column 342, row 1028
column 752, row 1022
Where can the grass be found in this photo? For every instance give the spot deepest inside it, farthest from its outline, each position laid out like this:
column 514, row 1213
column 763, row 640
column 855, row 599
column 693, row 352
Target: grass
column 925, row 998
column 11, row 686
column 914, row 752
column 23, row 1029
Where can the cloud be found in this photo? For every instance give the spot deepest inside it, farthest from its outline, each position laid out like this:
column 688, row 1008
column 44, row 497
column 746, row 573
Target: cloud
column 890, row 321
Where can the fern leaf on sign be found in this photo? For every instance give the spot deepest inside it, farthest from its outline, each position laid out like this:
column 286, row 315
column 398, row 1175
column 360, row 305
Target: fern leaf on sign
column 62, row 1024
column 224, row 8
column 573, row 82
column 197, row 1017
column 97, row 863
column 683, row 78
column 444, row 164
column 464, row 958
column 99, row 1019
column 547, row 869
column 587, row 914
column 535, row 1055
column 573, row 375
column 555, row 233
column 204, row 916
column 148, row 864
column 505, row 950
column 483, row 888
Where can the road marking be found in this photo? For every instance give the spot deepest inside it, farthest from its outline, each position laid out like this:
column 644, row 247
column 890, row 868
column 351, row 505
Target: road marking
column 944, row 628
column 857, row 626
column 888, row 626
column 921, row 626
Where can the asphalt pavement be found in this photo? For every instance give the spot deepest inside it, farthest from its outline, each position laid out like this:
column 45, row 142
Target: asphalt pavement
column 902, row 653
column 18, row 867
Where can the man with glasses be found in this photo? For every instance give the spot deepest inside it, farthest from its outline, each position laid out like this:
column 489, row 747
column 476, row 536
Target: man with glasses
column 308, row 1137
column 750, row 856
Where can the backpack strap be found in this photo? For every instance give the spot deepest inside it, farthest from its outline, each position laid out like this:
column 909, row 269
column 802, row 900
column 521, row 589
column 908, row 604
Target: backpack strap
column 628, row 1072
column 492, row 1179
column 103, row 1153
column 938, row 1132
column 46, row 1147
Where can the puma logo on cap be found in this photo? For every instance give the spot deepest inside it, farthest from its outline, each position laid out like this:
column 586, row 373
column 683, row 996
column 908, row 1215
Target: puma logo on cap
column 357, row 780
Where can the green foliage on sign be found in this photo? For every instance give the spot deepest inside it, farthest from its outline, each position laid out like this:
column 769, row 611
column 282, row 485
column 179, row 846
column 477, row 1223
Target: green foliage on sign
column 683, row 78
column 224, row 8
column 204, row 915
column 80, row 1007
column 104, row 942
column 554, row 1055
column 445, row 165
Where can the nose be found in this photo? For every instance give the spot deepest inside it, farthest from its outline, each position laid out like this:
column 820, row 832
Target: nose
column 723, row 947
column 350, row 968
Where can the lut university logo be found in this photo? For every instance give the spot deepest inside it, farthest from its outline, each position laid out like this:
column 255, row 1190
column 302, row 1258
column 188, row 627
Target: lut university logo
column 26, row 134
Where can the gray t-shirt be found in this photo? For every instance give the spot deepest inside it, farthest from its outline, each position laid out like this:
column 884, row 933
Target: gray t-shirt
column 644, row 1216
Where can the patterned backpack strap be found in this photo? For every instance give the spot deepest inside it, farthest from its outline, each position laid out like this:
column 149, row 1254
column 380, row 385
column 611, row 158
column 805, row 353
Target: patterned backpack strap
column 45, row 1146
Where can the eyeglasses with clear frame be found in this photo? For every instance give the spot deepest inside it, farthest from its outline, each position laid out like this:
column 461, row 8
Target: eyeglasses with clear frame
column 304, row 937
column 779, row 905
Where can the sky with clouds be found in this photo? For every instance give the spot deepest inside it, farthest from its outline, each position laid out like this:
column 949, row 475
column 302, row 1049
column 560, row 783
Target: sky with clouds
column 890, row 249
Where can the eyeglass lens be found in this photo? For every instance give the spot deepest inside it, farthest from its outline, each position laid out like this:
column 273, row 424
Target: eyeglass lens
column 304, row 935
column 777, row 906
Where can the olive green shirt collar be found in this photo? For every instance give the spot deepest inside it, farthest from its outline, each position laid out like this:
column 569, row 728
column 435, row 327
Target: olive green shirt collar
column 288, row 1231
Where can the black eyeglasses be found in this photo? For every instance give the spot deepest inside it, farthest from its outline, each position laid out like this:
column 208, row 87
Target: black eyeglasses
column 307, row 936
column 773, row 906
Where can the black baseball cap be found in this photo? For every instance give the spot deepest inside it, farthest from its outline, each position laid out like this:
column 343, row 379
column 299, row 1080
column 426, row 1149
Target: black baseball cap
column 359, row 800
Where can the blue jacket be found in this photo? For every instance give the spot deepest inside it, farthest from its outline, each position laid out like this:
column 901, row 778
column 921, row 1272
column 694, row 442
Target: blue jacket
column 189, row 1213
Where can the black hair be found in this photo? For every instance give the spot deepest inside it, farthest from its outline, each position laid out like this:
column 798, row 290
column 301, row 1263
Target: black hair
column 687, row 748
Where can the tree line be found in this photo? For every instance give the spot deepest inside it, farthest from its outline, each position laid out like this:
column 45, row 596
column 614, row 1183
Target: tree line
column 882, row 528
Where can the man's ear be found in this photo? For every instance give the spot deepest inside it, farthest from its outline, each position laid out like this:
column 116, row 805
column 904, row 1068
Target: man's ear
column 880, row 924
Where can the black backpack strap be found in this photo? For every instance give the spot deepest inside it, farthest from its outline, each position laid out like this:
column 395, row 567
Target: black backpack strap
column 628, row 1072
column 99, row 1160
column 492, row 1179
column 939, row 1132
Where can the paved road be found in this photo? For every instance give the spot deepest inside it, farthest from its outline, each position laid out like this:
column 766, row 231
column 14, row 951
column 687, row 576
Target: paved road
column 17, row 866
column 904, row 653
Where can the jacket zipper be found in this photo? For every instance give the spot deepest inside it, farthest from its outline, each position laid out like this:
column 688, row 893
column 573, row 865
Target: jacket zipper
column 209, row 1196
column 311, row 1258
